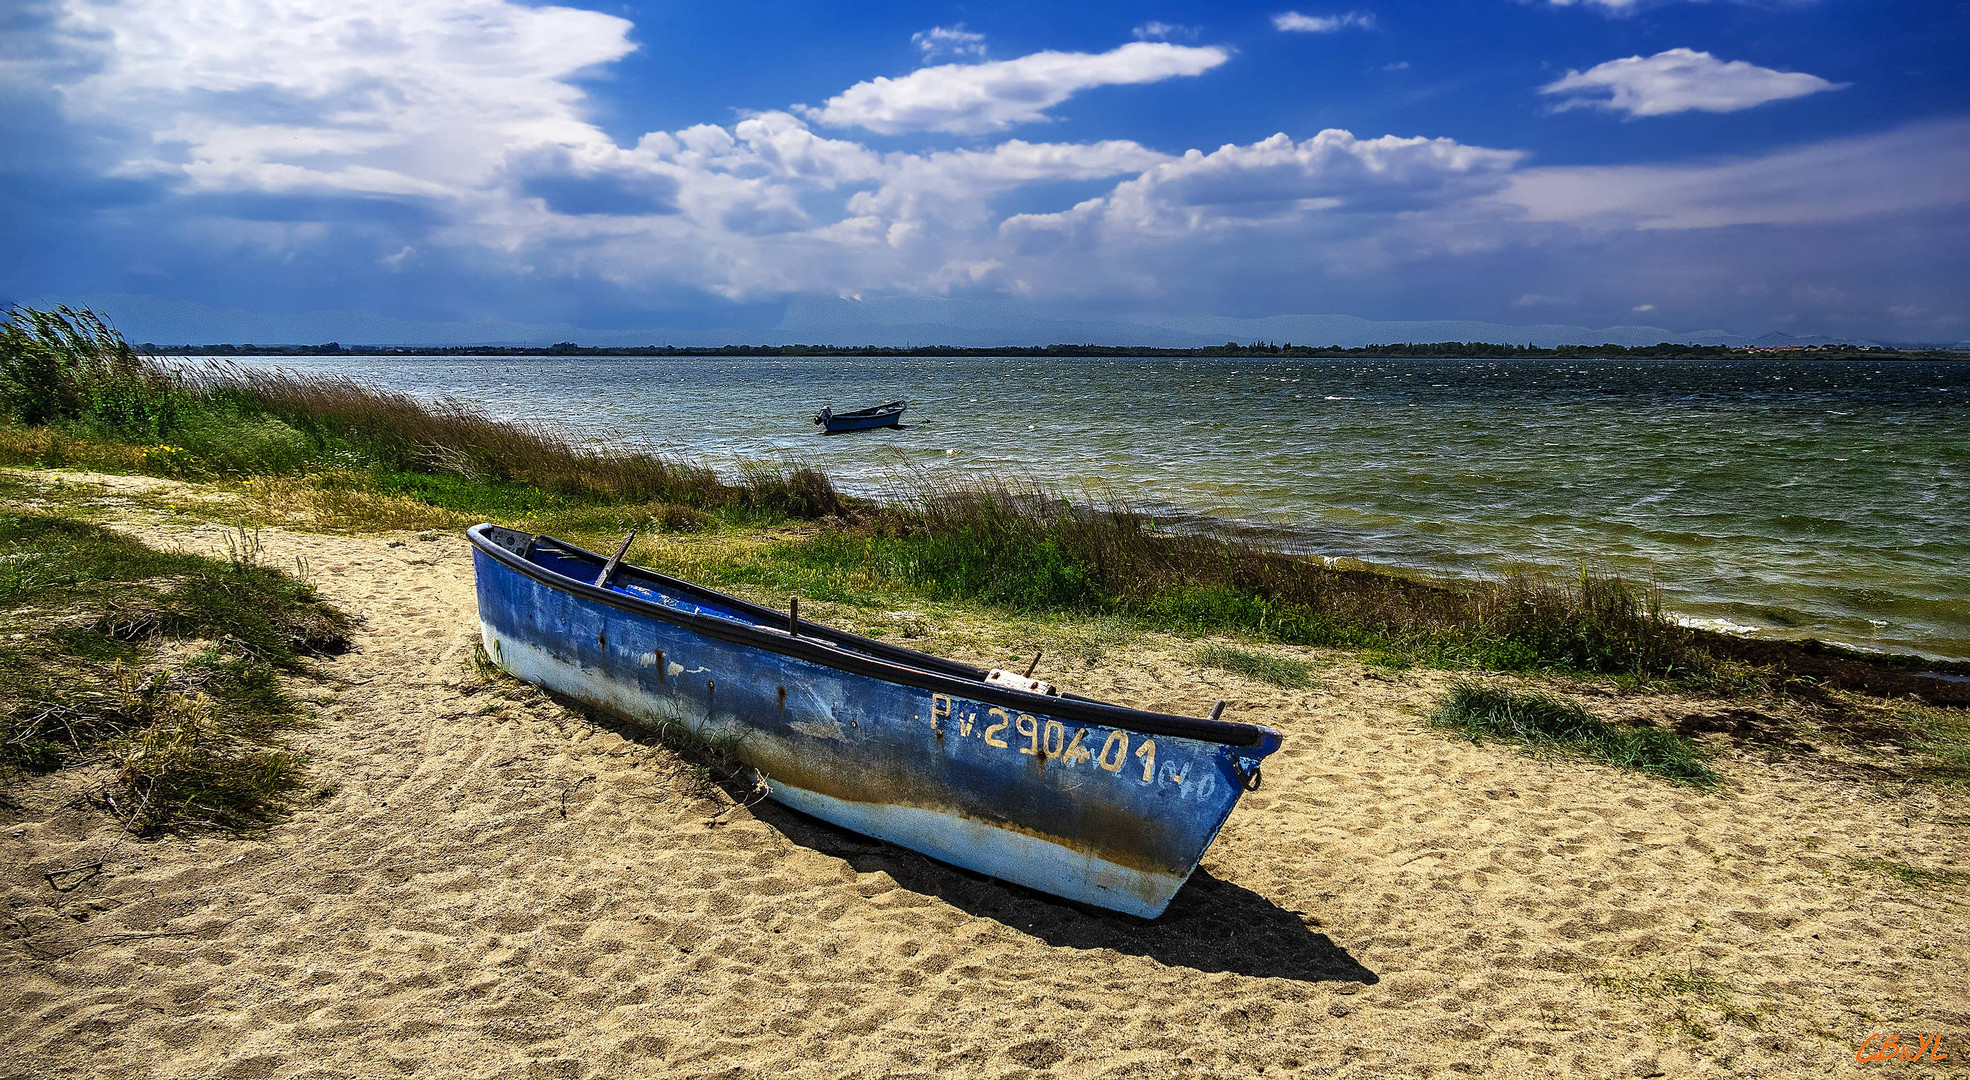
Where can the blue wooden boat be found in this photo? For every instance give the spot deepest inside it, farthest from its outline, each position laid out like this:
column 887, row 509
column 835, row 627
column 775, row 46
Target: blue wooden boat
column 889, row 414
column 1086, row 800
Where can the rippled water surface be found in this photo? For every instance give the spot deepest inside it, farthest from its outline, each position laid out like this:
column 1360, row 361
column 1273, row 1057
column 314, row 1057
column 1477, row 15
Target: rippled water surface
column 1798, row 498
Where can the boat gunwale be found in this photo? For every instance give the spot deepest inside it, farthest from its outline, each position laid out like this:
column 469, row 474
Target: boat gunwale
column 902, row 665
column 897, row 406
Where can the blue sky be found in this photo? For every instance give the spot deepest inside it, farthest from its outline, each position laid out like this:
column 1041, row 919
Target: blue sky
column 1797, row 165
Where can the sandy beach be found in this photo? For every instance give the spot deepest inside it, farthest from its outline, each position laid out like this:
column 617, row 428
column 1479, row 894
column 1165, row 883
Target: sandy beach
column 485, row 884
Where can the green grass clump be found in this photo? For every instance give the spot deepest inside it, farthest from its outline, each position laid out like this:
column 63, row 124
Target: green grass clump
column 1543, row 722
column 1917, row 876
column 65, row 365
column 1696, row 1002
column 1942, row 739
column 97, row 672
column 1261, row 667
column 40, row 553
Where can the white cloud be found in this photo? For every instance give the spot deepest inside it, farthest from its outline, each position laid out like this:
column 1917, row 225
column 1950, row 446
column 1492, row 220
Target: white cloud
column 1332, row 175
column 377, row 97
column 1681, row 80
column 466, row 108
column 1162, row 31
column 1294, row 22
column 1642, row 308
column 1619, row 7
column 948, row 41
column 1915, row 168
column 925, row 196
column 976, row 98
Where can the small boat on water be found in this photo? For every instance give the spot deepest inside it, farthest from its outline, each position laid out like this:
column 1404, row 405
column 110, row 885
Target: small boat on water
column 889, row 414
column 992, row 771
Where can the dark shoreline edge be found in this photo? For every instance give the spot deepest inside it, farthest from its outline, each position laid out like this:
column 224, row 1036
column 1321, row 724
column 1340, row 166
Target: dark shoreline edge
column 1443, row 350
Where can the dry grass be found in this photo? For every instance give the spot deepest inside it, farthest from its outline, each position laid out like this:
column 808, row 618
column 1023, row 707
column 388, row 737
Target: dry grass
column 48, row 448
column 1281, row 671
column 450, row 437
column 340, row 500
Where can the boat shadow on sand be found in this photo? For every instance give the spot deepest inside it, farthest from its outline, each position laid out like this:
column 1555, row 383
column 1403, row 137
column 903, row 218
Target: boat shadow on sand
column 1213, row 925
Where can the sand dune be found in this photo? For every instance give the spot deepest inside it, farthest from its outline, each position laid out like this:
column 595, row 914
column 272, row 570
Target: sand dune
column 497, row 888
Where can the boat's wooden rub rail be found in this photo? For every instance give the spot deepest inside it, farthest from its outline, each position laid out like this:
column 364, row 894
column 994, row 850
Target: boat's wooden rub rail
column 845, row 651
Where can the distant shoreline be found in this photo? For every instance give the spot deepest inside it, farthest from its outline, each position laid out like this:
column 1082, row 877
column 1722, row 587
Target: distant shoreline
column 1443, row 350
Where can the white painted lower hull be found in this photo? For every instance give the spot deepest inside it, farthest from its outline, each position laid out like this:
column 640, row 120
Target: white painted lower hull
column 1008, row 854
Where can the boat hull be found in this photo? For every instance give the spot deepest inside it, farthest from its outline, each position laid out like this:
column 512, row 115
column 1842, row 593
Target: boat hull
column 886, row 416
column 1094, row 813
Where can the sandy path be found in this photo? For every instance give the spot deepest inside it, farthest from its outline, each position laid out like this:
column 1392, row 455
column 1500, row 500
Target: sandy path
column 499, row 889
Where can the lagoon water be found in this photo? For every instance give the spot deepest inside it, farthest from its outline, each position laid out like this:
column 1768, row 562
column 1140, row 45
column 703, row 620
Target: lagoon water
column 1785, row 498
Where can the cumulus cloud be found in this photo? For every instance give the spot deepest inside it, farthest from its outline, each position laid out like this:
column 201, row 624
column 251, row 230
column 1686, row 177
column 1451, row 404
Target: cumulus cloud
column 377, row 97
column 948, row 41
column 1296, row 23
column 973, row 99
column 1332, row 175
column 931, row 201
column 467, row 109
column 1681, row 80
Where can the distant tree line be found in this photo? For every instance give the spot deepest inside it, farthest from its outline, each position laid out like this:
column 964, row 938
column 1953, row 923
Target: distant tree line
column 1461, row 350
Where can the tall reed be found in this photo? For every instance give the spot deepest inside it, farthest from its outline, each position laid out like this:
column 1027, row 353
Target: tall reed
column 64, row 366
